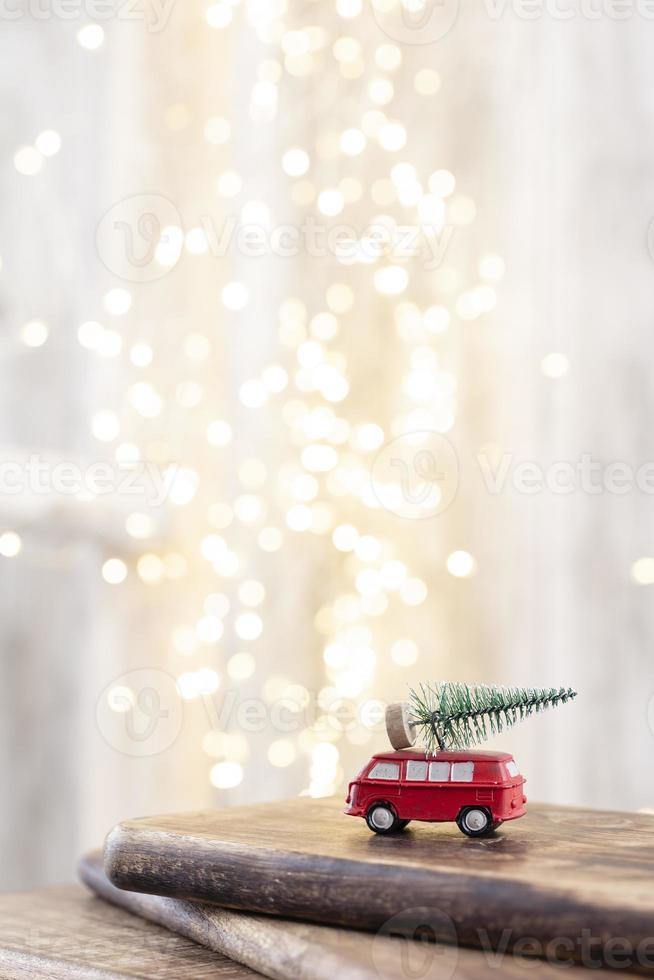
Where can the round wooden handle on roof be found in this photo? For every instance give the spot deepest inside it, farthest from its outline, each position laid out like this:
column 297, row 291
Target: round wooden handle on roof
column 399, row 726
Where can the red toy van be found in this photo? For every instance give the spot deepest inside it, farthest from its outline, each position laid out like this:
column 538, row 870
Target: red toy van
column 477, row 789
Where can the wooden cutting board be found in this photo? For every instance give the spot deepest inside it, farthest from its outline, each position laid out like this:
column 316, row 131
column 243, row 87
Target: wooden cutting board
column 63, row 933
column 287, row 950
column 580, row 879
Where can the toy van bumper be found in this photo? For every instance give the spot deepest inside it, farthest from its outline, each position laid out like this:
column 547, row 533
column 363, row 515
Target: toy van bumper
column 352, row 808
column 515, row 809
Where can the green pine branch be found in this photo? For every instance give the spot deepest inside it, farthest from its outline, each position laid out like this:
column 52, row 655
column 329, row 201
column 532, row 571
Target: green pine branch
column 456, row 716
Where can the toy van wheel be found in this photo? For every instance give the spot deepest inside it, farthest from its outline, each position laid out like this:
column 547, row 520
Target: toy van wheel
column 382, row 819
column 475, row 821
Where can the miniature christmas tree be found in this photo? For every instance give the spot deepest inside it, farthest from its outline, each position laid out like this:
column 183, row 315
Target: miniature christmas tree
column 454, row 716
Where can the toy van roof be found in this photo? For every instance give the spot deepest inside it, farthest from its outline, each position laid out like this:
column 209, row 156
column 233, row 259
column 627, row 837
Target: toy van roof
column 461, row 756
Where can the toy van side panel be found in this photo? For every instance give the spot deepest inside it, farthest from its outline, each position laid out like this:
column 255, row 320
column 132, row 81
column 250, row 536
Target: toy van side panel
column 436, row 800
column 422, row 800
column 457, row 795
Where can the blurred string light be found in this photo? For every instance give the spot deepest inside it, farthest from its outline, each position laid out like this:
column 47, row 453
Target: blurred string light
column 10, row 544
column 642, row 570
column 34, row 333
column 361, row 155
column 461, row 564
column 555, row 365
column 90, row 37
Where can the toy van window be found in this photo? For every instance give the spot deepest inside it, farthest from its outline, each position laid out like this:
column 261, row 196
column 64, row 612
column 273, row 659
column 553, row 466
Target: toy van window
column 385, row 770
column 416, row 771
column 439, row 772
column 462, row 772
column 513, row 769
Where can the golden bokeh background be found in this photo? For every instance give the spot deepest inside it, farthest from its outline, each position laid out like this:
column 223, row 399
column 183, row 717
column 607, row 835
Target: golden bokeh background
column 307, row 278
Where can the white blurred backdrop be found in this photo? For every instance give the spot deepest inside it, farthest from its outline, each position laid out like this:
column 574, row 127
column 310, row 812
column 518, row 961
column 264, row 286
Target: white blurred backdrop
column 325, row 369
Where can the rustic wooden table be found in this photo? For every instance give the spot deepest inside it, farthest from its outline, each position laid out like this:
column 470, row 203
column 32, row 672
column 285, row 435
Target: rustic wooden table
column 65, row 932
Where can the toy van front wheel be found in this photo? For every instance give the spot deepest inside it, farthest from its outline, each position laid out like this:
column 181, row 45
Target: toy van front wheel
column 475, row 821
column 382, row 819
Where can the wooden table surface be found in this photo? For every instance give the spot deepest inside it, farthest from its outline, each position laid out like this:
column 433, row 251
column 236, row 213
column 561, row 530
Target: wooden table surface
column 65, row 932
column 578, row 880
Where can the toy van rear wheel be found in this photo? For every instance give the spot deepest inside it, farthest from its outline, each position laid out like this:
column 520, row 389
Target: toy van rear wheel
column 382, row 819
column 475, row 821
